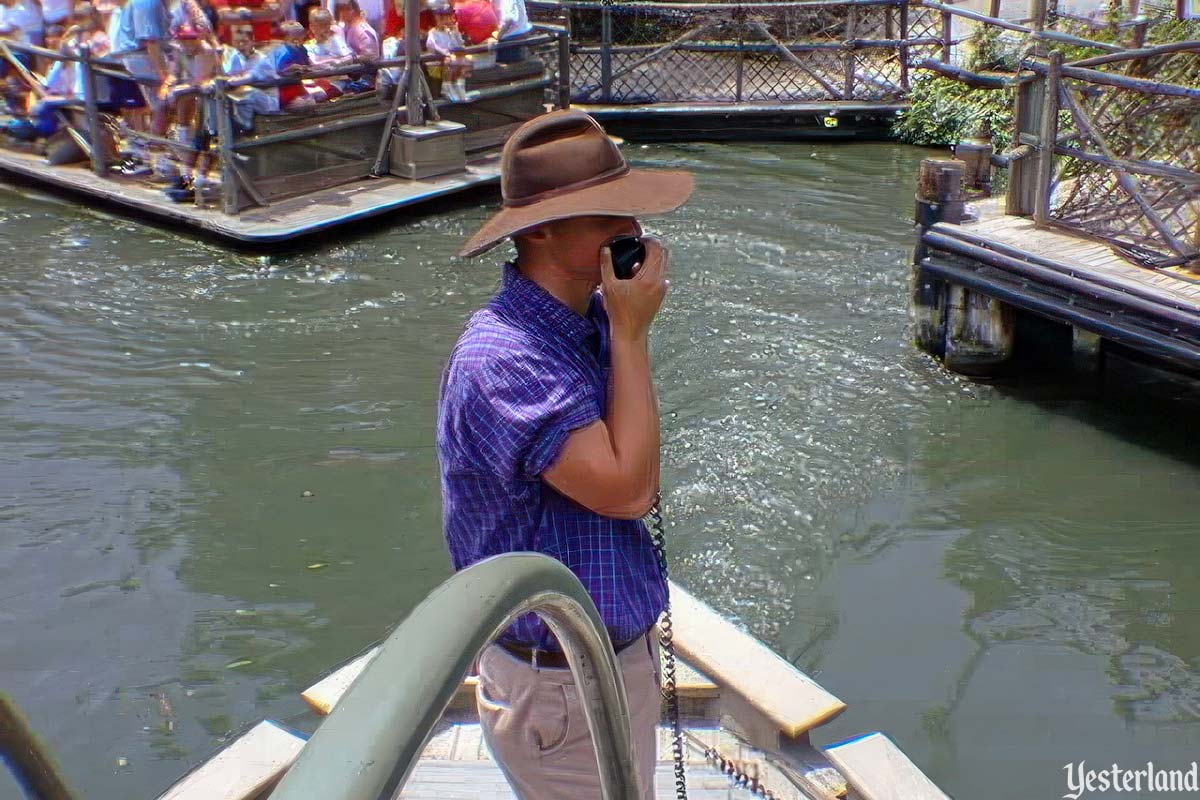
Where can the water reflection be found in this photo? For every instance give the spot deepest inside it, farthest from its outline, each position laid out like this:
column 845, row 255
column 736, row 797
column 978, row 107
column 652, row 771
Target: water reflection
column 217, row 479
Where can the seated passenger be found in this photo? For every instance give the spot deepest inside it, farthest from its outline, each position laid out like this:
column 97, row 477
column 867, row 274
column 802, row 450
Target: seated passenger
column 243, row 65
column 287, row 59
column 21, row 22
column 360, row 36
column 513, row 23
column 327, row 49
column 446, row 41
column 391, row 48
column 64, row 81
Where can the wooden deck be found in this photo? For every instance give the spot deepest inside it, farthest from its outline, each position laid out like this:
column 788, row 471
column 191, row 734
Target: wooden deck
column 280, row 221
column 1058, row 274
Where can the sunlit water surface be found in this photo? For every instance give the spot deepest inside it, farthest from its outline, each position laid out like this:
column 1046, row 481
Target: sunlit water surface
column 1004, row 580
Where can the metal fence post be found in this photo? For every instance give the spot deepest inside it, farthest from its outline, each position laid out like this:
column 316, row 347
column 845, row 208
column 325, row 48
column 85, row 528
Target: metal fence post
column 99, row 163
column 229, row 185
column 904, row 45
column 606, row 53
column 564, row 69
column 848, row 65
column 1047, row 138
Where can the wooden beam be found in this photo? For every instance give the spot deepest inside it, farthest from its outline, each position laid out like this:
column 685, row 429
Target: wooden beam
column 790, row 56
column 744, row 666
column 1145, row 52
column 1047, row 134
column 244, row 769
column 878, row 770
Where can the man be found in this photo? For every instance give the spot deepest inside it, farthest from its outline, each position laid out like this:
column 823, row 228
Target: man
column 143, row 33
column 548, row 440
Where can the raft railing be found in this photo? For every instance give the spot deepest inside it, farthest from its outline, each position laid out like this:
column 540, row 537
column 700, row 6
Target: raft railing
column 548, row 43
column 370, row 743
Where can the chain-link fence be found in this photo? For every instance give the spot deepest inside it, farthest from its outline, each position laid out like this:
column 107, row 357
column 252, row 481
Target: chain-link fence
column 822, row 50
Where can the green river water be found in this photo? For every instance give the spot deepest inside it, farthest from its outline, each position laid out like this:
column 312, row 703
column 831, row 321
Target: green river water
column 1004, row 578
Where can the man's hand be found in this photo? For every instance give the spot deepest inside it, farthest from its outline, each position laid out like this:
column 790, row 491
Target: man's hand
column 633, row 303
column 612, row 466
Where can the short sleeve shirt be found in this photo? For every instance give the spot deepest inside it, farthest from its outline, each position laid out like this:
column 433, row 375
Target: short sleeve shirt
column 141, row 21
column 526, row 373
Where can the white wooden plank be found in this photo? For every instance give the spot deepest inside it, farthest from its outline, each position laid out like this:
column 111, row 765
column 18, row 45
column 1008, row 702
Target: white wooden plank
column 878, row 770
column 738, row 662
column 243, row 769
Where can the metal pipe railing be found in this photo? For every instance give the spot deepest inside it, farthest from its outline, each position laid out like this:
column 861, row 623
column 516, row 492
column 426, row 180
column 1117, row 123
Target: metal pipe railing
column 369, row 744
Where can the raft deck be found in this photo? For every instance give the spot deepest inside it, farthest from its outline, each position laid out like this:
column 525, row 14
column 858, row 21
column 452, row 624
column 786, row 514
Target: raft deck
column 286, row 219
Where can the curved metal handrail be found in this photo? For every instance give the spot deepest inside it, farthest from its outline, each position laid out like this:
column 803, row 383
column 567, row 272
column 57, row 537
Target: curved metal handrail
column 370, row 743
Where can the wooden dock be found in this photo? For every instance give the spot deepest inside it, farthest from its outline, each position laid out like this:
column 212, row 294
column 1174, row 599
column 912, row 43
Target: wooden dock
column 283, row 220
column 1107, row 299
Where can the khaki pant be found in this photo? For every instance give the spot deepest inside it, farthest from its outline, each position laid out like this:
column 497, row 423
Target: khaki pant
column 533, row 723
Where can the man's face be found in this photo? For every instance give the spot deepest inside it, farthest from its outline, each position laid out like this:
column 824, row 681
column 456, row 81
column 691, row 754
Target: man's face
column 345, row 15
column 577, row 241
column 320, row 28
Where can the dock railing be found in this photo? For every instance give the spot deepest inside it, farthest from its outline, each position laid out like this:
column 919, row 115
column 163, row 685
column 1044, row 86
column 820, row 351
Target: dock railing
column 371, row 741
column 787, row 51
column 1106, row 145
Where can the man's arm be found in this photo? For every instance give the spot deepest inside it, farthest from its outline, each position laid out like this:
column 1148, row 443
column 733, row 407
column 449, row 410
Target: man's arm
column 612, row 465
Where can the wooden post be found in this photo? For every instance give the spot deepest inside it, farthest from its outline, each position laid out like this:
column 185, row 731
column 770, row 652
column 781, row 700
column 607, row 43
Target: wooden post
column 947, row 40
column 415, row 91
column 1047, row 138
column 904, row 46
column 979, row 332
column 606, row 54
column 994, row 9
column 1037, row 21
column 889, row 22
column 848, row 63
column 1087, row 350
column 939, row 198
column 229, row 182
column 564, row 69
column 95, row 135
column 740, row 66
column 1022, row 174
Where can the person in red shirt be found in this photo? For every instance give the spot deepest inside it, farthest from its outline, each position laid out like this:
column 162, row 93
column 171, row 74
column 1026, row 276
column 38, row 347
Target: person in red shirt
column 262, row 15
column 393, row 19
column 476, row 20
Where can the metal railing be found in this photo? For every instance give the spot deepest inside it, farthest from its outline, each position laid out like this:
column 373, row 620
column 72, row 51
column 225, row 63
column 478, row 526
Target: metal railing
column 370, row 743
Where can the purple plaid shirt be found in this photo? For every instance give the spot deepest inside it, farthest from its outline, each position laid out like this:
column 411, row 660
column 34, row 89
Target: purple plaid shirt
column 526, row 372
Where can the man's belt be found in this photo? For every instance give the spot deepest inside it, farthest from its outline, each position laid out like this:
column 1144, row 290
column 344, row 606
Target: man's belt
column 548, row 658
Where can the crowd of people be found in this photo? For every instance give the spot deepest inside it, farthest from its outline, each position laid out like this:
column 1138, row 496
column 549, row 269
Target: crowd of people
column 172, row 48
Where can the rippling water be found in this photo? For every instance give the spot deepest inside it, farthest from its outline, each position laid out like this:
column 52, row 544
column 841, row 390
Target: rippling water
column 1005, row 579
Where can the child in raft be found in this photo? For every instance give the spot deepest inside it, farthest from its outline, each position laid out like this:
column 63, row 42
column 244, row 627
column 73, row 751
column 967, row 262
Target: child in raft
column 196, row 62
column 446, row 41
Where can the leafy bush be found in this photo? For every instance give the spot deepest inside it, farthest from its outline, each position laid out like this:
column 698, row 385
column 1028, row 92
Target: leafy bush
column 943, row 111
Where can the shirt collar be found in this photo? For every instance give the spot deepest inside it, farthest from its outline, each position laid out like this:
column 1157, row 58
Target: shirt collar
column 528, row 304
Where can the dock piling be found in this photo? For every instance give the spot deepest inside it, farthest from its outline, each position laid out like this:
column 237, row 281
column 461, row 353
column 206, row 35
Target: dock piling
column 939, row 198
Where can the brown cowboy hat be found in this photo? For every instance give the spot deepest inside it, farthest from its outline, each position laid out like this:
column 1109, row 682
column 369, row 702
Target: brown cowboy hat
column 562, row 165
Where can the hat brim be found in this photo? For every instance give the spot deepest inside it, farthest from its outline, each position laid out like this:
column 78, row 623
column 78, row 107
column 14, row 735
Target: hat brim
column 637, row 193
